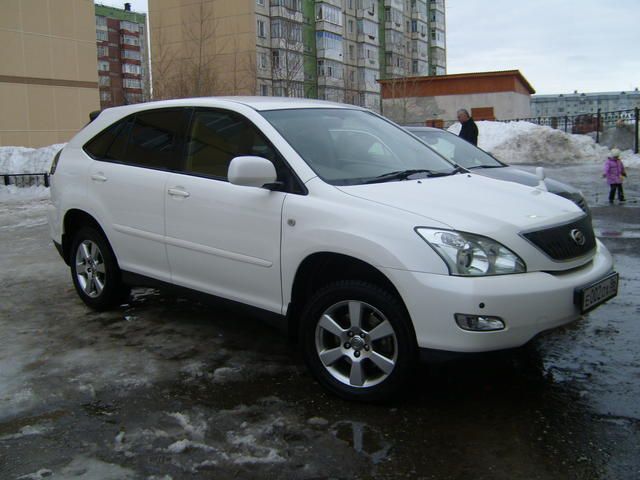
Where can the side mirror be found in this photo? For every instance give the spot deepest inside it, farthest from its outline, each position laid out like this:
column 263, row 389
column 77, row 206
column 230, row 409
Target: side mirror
column 251, row 171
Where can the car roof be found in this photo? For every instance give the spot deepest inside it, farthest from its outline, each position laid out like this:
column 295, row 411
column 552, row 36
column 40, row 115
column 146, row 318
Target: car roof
column 413, row 128
column 256, row 103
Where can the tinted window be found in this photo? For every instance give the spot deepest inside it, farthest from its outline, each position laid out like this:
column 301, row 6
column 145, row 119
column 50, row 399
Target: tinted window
column 148, row 139
column 156, row 137
column 110, row 143
column 217, row 137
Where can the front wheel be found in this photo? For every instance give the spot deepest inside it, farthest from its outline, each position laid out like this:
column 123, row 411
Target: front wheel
column 357, row 341
column 94, row 270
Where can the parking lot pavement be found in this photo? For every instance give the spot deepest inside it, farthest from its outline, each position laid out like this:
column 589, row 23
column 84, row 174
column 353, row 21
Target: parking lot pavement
column 167, row 388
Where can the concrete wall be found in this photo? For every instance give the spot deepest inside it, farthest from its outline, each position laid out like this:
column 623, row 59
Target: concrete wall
column 48, row 70
column 413, row 110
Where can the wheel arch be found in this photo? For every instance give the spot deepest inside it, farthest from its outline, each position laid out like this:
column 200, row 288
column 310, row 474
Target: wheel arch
column 74, row 220
column 322, row 268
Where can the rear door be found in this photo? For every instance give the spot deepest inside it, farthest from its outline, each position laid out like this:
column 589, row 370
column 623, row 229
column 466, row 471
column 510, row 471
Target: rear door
column 127, row 185
column 221, row 238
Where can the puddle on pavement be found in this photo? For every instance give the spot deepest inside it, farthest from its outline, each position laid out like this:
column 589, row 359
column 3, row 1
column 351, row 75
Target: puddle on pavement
column 364, row 439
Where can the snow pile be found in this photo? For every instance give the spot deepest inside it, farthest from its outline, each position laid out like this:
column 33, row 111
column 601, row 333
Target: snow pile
column 28, row 160
column 11, row 193
column 524, row 142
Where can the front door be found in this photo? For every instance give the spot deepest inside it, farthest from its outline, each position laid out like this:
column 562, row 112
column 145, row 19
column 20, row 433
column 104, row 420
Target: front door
column 224, row 239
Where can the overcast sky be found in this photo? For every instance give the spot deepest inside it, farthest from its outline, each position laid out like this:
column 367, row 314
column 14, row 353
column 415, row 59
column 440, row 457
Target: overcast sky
column 559, row 45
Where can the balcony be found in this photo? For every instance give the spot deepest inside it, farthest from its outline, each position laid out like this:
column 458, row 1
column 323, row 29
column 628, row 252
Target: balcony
column 284, row 12
column 369, row 63
column 371, row 40
column 324, row 81
column 329, row 27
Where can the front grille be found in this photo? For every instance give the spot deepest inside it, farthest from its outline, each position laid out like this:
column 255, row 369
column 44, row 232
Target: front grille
column 558, row 242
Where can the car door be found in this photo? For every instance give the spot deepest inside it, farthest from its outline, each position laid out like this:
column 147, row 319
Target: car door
column 127, row 186
column 224, row 239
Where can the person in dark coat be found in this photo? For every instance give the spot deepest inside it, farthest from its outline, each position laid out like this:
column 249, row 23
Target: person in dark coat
column 469, row 130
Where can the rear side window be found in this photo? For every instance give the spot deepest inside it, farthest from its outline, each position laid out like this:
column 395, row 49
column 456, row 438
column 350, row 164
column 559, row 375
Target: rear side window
column 111, row 143
column 148, row 139
column 156, row 137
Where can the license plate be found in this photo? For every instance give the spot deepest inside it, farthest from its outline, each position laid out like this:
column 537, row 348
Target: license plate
column 588, row 298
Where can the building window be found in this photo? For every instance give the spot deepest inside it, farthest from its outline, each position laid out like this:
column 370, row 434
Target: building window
column 103, row 51
column 102, row 35
column 260, row 2
column 329, row 13
column 350, row 26
column 275, row 59
column 414, row 66
column 130, row 40
column 104, row 80
column 131, row 54
column 129, row 26
column 130, row 68
column 105, row 96
column 368, row 28
column 132, row 83
column 295, row 5
column 263, row 61
column 287, row 30
column 351, row 52
column 103, row 65
column 261, row 29
column 101, row 21
column 264, row 90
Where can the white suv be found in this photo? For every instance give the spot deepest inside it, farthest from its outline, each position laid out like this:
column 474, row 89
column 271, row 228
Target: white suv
column 350, row 231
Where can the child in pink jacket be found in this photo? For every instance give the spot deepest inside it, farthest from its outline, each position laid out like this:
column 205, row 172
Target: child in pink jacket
column 613, row 172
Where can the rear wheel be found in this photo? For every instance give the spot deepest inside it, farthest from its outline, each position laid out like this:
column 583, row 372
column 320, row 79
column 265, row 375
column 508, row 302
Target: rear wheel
column 357, row 341
column 94, row 270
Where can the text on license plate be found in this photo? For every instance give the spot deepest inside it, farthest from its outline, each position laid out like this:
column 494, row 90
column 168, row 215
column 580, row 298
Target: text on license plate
column 593, row 295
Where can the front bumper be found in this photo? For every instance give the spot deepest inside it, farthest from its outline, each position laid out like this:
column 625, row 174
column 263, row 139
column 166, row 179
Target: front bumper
column 528, row 303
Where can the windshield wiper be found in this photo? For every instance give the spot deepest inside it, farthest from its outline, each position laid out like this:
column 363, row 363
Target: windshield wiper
column 485, row 166
column 405, row 174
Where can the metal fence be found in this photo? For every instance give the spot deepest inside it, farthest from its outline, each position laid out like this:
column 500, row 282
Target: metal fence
column 619, row 128
column 26, row 179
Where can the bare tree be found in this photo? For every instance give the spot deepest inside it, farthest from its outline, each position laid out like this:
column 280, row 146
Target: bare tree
column 186, row 68
column 287, row 61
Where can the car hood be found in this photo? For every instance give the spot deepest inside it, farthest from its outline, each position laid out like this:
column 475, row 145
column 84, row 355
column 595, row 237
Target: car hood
column 475, row 204
column 513, row 174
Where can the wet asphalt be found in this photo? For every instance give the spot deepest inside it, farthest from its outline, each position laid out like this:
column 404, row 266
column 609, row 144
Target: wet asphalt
column 165, row 388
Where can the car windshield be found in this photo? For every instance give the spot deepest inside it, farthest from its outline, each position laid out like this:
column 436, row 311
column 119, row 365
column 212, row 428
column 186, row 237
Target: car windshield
column 351, row 147
column 456, row 149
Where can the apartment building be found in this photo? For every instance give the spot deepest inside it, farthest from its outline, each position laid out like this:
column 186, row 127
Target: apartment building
column 576, row 103
column 123, row 59
column 48, row 76
column 331, row 49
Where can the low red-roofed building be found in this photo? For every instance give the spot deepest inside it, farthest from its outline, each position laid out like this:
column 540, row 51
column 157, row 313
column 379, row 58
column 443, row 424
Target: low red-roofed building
column 435, row 100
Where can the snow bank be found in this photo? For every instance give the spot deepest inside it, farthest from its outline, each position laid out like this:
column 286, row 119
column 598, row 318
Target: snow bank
column 524, row 142
column 27, row 160
column 11, row 193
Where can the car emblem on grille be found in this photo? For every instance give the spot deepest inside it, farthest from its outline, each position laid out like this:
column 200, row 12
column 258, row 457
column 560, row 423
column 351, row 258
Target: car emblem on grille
column 578, row 237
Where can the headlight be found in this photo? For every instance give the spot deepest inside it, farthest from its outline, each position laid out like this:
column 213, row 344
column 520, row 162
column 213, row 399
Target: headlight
column 472, row 255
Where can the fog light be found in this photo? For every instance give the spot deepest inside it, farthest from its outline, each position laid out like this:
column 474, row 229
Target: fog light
column 479, row 323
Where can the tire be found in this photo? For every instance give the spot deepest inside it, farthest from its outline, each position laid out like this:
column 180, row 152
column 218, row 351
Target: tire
column 95, row 272
column 343, row 355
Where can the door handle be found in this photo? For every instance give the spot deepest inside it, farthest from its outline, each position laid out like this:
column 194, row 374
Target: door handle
column 98, row 177
column 177, row 192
